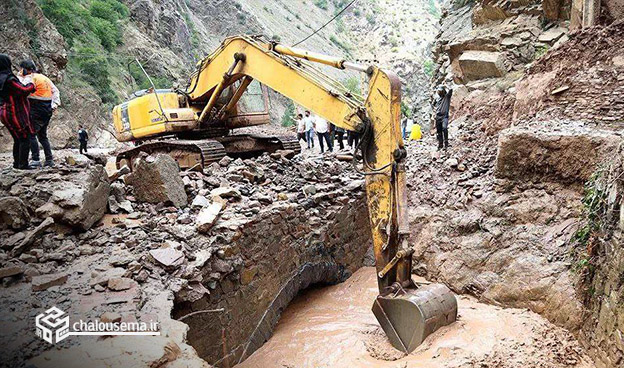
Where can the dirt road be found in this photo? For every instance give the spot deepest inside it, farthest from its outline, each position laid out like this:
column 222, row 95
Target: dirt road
column 333, row 327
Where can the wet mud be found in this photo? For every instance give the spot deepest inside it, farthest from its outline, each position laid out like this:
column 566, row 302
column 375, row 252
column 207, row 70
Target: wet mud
column 334, row 327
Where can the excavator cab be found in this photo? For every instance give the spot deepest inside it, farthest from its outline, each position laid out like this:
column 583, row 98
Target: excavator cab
column 168, row 121
column 153, row 113
column 252, row 108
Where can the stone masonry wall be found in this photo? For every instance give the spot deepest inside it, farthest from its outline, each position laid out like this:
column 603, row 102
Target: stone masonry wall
column 601, row 263
column 279, row 252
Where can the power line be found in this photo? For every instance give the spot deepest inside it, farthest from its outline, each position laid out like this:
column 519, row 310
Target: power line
column 323, row 26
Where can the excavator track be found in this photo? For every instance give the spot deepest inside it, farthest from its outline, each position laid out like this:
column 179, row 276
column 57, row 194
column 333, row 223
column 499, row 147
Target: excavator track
column 187, row 153
column 200, row 153
column 290, row 143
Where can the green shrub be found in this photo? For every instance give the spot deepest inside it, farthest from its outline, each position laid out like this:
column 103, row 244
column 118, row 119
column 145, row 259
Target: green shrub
column 541, row 51
column 433, row 9
column 340, row 27
column 405, row 110
column 321, row 4
column 340, row 44
column 195, row 41
column 111, row 10
column 73, row 19
column 394, row 42
column 142, row 81
column 352, row 84
column 69, row 17
column 428, row 68
column 370, row 18
column 94, row 71
column 108, row 33
column 289, row 115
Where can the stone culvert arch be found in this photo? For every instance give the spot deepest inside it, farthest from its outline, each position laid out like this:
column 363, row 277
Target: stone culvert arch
column 309, row 274
column 264, row 264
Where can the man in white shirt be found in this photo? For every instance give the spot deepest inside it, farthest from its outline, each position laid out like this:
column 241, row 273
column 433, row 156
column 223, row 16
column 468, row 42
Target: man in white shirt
column 322, row 130
column 300, row 128
column 309, row 129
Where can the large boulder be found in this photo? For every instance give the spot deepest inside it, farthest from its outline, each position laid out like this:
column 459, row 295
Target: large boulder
column 477, row 65
column 566, row 154
column 72, row 196
column 156, row 179
column 13, row 213
column 80, row 202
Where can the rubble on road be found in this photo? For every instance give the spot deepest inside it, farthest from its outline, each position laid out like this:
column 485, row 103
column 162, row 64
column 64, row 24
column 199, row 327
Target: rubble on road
column 31, row 237
column 13, row 213
column 44, row 282
column 9, row 271
column 207, row 217
column 158, row 230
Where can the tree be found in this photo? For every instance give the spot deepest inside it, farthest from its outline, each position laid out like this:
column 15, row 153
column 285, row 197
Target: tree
column 289, row 115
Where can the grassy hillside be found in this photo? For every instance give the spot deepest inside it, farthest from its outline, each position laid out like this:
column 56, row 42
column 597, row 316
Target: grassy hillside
column 93, row 29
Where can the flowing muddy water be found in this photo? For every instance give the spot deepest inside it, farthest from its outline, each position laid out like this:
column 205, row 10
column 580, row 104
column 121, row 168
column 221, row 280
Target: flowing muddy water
column 334, row 327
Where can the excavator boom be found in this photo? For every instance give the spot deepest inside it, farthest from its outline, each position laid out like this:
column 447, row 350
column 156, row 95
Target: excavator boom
column 407, row 312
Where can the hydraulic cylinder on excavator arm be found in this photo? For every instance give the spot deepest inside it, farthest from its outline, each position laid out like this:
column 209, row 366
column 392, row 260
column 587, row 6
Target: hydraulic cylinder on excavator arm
column 407, row 312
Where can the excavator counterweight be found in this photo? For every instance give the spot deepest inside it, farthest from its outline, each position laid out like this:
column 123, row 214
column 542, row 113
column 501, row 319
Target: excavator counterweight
column 201, row 116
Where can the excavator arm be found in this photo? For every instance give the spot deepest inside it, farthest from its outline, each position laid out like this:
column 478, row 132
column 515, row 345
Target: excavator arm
column 407, row 312
column 289, row 72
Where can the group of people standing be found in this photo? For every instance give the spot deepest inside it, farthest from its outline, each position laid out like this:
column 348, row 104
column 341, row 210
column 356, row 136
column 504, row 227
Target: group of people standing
column 27, row 102
column 327, row 133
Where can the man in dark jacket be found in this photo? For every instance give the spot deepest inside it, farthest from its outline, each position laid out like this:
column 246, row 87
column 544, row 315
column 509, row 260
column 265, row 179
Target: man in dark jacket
column 442, row 105
column 338, row 133
column 43, row 102
column 83, row 137
column 15, row 112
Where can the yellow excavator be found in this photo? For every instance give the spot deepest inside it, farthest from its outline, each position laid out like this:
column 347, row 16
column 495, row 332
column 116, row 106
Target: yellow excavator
column 192, row 120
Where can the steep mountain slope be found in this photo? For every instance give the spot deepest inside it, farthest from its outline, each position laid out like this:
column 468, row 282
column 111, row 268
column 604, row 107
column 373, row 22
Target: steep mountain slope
column 521, row 210
column 399, row 36
column 86, row 45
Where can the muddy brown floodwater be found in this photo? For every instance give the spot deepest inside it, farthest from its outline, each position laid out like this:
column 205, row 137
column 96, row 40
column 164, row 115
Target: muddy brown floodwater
column 334, row 327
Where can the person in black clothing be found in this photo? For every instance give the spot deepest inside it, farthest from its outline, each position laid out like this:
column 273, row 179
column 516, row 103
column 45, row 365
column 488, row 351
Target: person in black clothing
column 43, row 103
column 15, row 112
column 442, row 105
column 353, row 138
column 338, row 133
column 83, row 137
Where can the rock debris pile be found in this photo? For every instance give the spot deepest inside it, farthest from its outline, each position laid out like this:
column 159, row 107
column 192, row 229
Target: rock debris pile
column 130, row 248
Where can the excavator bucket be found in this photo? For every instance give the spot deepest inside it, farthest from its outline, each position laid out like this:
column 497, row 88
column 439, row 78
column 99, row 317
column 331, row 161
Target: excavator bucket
column 409, row 318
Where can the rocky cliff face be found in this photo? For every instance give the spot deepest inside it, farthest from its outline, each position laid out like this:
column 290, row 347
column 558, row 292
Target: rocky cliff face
column 501, row 213
column 600, row 262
